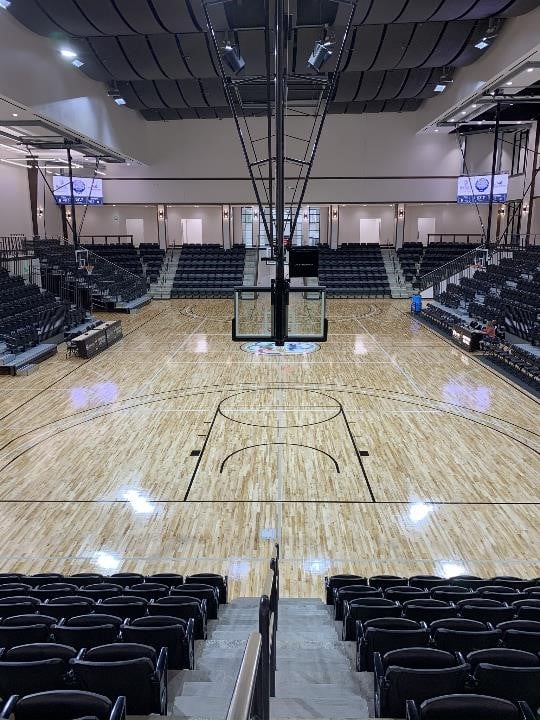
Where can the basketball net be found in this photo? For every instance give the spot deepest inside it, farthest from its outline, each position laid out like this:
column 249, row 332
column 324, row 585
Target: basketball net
column 89, row 269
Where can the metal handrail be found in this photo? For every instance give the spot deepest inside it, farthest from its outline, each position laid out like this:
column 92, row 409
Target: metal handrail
column 246, row 698
column 256, row 680
column 448, row 269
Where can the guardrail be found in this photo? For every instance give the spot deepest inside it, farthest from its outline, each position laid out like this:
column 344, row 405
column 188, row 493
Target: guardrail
column 475, row 238
column 256, row 681
column 437, row 276
column 108, row 239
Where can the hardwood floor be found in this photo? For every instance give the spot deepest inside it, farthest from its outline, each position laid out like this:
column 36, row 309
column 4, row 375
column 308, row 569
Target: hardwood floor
column 387, row 450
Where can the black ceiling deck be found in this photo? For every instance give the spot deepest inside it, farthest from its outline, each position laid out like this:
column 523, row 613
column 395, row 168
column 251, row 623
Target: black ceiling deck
column 156, row 53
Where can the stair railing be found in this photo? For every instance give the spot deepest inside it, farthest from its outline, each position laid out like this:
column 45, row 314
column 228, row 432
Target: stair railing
column 256, row 681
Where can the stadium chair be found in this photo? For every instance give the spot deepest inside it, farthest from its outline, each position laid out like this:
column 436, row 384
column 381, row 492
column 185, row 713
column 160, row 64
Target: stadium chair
column 11, row 635
column 468, row 581
column 386, row 581
column 428, row 610
column 83, row 579
column 43, row 579
column 17, row 605
column 39, row 651
column 426, row 582
column 359, row 611
column 183, row 608
column 528, row 612
column 30, row 619
column 126, row 579
column 451, row 593
column 468, row 707
column 218, row 581
column 348, row 593
column 67, row 607
column 502, row 656
column 511, row 683
column 512, row 582
column 148, row 591
column 521, row 634
column 10, row 578
column 159, row 631
column 168, row 579
column 87, row 633
column 26, row 677
column 415, row 674
column 102, row 591
column 499, row 592
column 136, row 671
column 124, row 606
column 385, row 634
column 201, row 592
column 335, row 582
column 405, row 592
column 53, row 590
column 17, row 589
column 63, row 705
column 463, row 635
column 485, row 610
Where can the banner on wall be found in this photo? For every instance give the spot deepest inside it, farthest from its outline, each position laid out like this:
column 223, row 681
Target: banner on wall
column 477, row 189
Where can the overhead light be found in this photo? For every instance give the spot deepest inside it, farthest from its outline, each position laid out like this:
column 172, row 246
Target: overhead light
column 4, row 4
column 119, row 101
column 530, row 69
column 482, row 45
column 474, row 106
column 321, row 54
column 231, row 55
column 440, row 88
column 452, row 119
column 15, row 114
column 77, row 63
column 463, row 112
column 509, row 82
column 68, row 54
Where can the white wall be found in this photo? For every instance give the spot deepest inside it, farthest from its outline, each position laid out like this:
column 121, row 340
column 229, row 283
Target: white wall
column 450, row 218
column 212, row 222
column 15, row 213
column 349, row 222
column 111, row 220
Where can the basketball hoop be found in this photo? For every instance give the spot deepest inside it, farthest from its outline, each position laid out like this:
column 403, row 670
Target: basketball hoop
column 89, row 268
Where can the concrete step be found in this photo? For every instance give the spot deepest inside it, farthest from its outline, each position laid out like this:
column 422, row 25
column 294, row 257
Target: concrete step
column 300, row 708
column 199, row 707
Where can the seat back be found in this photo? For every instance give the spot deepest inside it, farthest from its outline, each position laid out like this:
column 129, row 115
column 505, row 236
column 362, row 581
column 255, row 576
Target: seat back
column 172, row 636
column 125, row 606
column 402, row 684
column 429, row 610
column 117, row 652
column 26, row 677
column 487, row 613
column 424, row 658
column 17, row 606
column 11, row 635
column 367, row 609
column 101, row 591
column 383, row 640
column 348, row 593
column 512, row 683
column 405, row 592
column 85, row 637
column 65, row 607
column 386, row 581
column 335, row 582
column 40, row 651
column 63, row 705
column 467, row 707
column 426, row 582
column 506, row 657
column 168, row 579
column 201, row 592
column 148, row 591
column 465, row 641
column 93, row 620
column 133, row 678
column 127, row 579
column 217, row 581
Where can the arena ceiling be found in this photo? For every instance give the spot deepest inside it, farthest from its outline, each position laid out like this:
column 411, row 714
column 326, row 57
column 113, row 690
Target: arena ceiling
column 156, row 54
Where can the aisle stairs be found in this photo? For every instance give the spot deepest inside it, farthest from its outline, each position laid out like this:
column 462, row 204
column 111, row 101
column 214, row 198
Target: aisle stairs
column 398, row 285
column 161, row 290
column 315, row 670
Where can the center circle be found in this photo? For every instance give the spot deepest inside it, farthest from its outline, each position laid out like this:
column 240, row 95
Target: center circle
column 280, row 408
column 270, row 348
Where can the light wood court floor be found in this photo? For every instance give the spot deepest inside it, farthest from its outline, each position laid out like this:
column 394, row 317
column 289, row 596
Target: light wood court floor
column 387, row 450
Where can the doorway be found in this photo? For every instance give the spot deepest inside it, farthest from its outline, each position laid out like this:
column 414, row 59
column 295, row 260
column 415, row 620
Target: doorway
column 191, row 231
column 370, row 230
column 426, row 227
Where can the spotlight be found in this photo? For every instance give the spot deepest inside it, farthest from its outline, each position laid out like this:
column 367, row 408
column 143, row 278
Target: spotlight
column 232, row 57
column 320, row 55
column 68, row 54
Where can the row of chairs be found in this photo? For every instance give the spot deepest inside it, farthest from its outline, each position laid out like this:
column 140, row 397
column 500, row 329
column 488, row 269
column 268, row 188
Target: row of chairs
column 418, row 674
column 136, row 671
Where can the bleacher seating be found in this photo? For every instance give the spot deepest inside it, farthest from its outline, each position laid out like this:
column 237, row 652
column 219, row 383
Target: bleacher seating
column 124, row 255
column 208, row 271
column 29, row 316
column 64, row 705
column 438, row 254
column 409, row 256
column 354, row 270
column 152, row 256
column 422, row 647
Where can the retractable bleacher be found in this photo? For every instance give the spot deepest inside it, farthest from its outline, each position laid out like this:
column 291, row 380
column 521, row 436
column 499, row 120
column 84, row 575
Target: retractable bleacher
column 354, row 270
column 208, row 271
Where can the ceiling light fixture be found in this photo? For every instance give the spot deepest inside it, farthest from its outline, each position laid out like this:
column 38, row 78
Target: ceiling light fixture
column 15, row 114
column 509, row 82
column 231, row 55
column 68, row 54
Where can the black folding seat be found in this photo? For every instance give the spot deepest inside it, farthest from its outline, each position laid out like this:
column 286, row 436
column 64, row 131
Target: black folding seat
column 510, row 581
column 348, row 593
column 428, row 610
column 463, row 635
column 53, row 590
column 84, row 634
column 102, row 591
column 183, row 608
column 486, row 610
column 42, row 579
column 168, row 579
column 451, row 593
column 521, row 634
column 67, row 607
column 28, row 620
column 17, row 589
column 386, row 581
column 10, row 578
column 133, row 670
column 43, row 671
column 469, row 581
column 415, row 674
column 149, row 591
column 364, row 609
column 468, row 707
column 124, row 606
column 405, row 592
column 127, row 579
column 11, row 635
column 384, row 634
column 527, row 611
column 159, row 631
column 202, row 592
column 64, row 705
column 426, row 582
column 17, row 605
column 501, row 593
column 39, row 651
column 502, row 656
column 218, row 581
column 511, row 683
